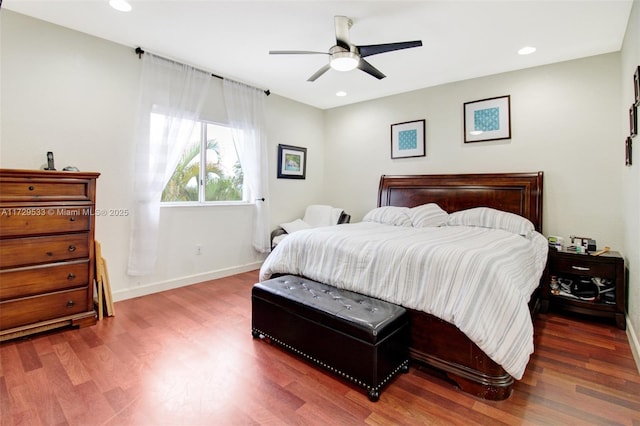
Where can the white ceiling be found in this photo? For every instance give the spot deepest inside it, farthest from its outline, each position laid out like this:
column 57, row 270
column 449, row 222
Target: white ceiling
column 461, row 39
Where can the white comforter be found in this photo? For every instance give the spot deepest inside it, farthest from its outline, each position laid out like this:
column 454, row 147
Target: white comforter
column 478, row 279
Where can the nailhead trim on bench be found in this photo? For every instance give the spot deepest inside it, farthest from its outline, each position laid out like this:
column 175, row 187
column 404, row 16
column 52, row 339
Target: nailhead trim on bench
column 403, row 365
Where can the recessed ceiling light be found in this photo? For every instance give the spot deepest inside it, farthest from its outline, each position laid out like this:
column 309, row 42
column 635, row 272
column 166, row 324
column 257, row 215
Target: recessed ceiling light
column 341, row 93
column 527, row 50
column 121, row 5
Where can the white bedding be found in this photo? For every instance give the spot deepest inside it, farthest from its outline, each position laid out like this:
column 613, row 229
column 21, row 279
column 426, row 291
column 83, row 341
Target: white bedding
column 476, row 278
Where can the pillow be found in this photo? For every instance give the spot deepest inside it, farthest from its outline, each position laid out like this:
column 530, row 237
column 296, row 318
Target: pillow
column 389, row 215
column 296, row 225
column 486, row 217
column 428, row 215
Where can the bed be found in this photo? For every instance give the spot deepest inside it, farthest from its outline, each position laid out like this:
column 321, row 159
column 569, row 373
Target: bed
column 436, row 342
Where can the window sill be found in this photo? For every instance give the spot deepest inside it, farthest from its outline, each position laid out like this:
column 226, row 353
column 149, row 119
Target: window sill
column 209, row 204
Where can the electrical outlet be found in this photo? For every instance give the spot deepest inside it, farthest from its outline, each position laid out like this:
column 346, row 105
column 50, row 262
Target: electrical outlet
column 198, row 250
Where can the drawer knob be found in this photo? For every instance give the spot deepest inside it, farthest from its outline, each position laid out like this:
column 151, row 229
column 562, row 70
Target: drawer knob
column 72, row 248
column 31, row 188
column 72, row 219
column 70, row 304
column 580, row 268
column 71, row 276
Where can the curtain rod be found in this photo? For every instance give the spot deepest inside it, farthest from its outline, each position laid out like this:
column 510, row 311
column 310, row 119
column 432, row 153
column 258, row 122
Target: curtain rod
column 140, row 52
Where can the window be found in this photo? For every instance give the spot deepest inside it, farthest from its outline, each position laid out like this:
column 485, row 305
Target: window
column 208, row 169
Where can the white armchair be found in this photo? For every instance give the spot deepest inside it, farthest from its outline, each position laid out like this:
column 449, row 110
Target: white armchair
column 315, row 215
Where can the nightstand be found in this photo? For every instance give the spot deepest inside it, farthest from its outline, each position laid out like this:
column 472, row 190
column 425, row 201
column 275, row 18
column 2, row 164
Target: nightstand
column 590, row 285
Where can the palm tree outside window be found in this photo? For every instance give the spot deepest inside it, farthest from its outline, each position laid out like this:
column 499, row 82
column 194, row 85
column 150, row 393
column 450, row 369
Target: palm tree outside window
column 208, row 170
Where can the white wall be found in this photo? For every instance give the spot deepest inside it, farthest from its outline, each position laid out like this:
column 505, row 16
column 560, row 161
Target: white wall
column 292, row 123
column 630, row 188
column 75, row 95
column 564, row 119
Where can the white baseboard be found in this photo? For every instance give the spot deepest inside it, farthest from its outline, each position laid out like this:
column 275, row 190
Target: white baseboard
column 151, row 288
column 634, row 343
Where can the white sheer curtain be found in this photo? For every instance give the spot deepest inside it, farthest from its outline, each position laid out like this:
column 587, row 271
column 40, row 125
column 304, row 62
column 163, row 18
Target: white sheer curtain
column 245, row 109
column 175, row 92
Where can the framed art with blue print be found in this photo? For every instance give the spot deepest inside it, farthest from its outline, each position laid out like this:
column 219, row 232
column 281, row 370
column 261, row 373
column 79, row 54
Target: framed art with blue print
column 487, row 119
column 408, row 139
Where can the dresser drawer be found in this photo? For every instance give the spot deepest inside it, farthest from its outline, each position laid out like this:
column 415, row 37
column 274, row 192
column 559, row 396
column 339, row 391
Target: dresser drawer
column 43, row 189
column 41, row 220
column 17, row 252
column 577, row 266
column 22, row 282
column 34, row 309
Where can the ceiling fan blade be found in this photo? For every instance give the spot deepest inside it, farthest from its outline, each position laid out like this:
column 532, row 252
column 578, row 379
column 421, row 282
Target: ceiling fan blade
column 374, row 49
column 370, row 69
column 342, row 31
column 319, row 73
column 295, row 52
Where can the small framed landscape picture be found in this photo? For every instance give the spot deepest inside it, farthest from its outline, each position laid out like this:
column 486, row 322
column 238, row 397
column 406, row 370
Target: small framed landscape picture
column 633, row 120
column 292, row 162
column 408, row 139
column 487, row 119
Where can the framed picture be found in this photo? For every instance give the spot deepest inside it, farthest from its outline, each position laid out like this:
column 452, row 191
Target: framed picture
column 408, row 139
column 292, row 162
column 633, row 120
column 487, row 119
column 636, row 86
column 627, row 152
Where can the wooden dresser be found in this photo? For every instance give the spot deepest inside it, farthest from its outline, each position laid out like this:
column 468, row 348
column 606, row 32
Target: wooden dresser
column 46, row 250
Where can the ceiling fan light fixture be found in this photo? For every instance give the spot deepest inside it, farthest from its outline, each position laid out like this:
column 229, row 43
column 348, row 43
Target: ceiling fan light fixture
column 344, row 61
column 346, row 56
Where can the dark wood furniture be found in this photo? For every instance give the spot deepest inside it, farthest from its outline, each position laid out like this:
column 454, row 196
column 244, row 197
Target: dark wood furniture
column 437, row 342
column 576, row 266
column 362, row 339
column 46, row 250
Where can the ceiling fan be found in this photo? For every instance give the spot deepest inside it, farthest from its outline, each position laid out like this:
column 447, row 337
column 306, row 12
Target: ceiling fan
column 345, row 56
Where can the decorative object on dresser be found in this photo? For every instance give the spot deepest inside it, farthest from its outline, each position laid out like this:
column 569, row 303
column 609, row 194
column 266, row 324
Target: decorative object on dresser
column 586, row 284
column 47, row 265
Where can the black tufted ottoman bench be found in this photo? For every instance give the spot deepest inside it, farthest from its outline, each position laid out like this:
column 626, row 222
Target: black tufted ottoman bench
column 360, row 338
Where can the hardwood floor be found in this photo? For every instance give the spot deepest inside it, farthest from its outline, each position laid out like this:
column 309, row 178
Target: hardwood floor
column 186, row 357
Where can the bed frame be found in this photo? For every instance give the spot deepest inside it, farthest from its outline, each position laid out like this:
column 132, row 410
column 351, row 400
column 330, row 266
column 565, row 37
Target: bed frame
column 438, row 343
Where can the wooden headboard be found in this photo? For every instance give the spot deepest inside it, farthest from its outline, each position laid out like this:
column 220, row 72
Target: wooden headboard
column 519, row 193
